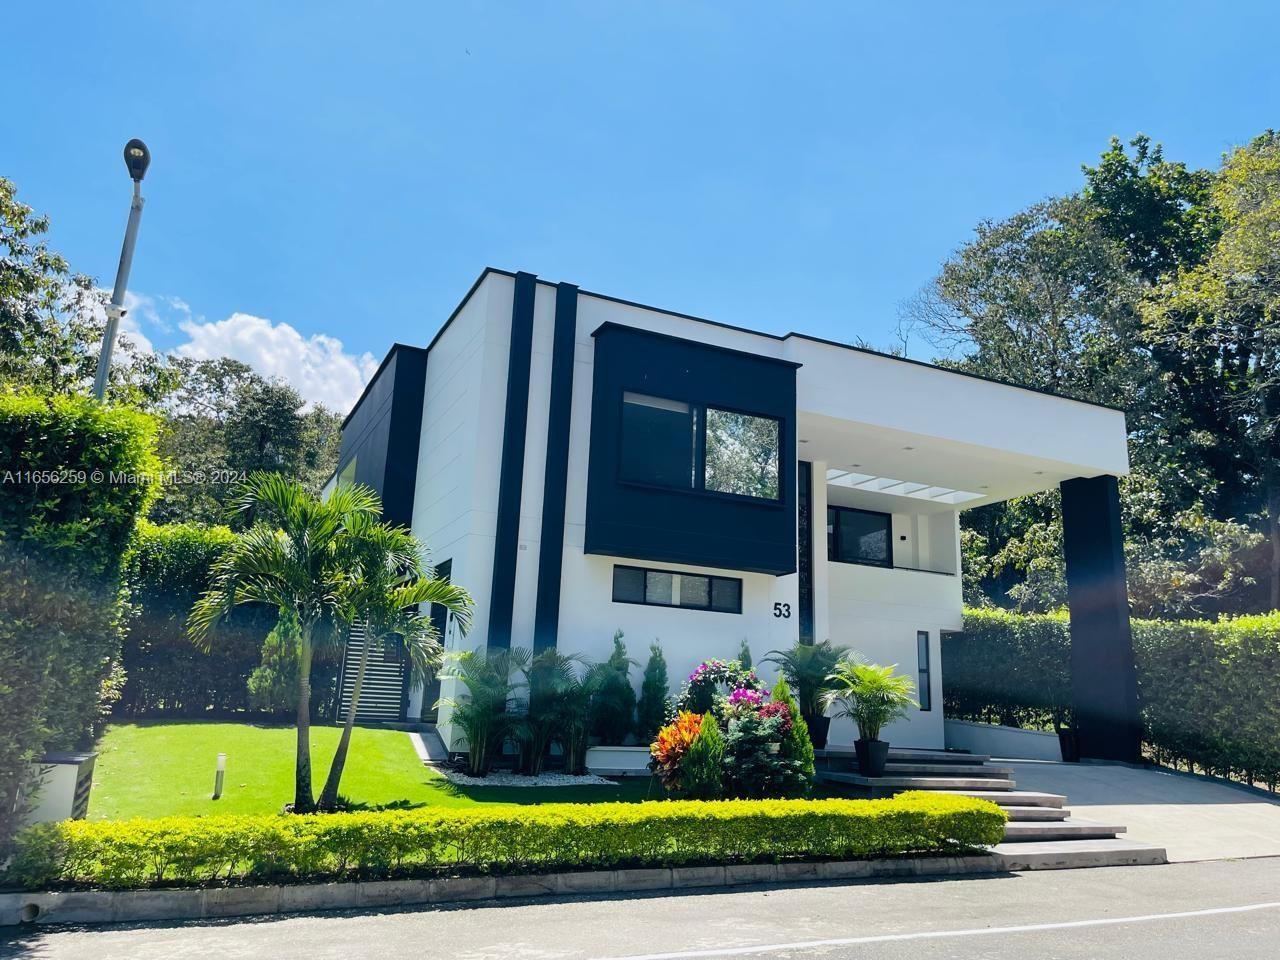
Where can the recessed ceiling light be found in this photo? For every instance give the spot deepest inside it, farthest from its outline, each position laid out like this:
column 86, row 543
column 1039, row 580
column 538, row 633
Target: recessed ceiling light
column 908, row 448
column 984, row 487
column 802, row 441
column 1039, row 473
column 855, row 464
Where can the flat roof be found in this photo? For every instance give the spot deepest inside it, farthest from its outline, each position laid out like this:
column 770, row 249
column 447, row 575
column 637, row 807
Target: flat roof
column 740, row 329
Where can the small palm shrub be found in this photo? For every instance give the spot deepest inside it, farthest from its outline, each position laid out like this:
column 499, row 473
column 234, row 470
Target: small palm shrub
column 870, row 695
column 484, row 715
column 806, row 667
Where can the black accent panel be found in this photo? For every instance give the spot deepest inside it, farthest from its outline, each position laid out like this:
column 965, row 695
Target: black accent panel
column 1104, row 686
column 511, row 472
column 546, row 619
column 383, row 431
column 696, row 526
column 804, row 492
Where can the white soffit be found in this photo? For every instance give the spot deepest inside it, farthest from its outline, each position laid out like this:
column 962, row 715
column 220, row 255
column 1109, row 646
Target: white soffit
column 899, row 488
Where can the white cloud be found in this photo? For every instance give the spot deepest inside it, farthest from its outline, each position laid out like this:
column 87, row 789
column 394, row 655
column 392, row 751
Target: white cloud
column 317, row 366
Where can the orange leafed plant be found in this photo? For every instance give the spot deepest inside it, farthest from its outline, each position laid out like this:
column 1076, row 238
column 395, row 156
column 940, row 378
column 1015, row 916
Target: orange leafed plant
column 672, row 743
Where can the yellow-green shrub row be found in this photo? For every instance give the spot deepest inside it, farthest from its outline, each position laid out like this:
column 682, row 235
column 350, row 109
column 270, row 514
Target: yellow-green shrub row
column 132, row 853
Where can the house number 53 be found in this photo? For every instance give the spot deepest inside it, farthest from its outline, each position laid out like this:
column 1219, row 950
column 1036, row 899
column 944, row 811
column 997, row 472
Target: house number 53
column 782, row 611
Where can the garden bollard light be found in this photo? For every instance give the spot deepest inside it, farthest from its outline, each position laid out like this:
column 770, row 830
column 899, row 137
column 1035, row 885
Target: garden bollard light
column 218, row 775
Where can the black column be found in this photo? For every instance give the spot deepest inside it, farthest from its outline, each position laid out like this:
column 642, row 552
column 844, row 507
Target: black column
column 511, row 471
column 546, row 618
column 1104, row 686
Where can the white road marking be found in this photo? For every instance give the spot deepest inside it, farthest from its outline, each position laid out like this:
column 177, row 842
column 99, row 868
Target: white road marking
column 938, row 934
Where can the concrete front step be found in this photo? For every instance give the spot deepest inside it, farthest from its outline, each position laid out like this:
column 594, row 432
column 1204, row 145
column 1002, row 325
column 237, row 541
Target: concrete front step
column 899, row 769
column 906, row 755
column 1018, row 814
column 1023, row 832
column 1015, row 798
column 951, row 784
column 1066, row 854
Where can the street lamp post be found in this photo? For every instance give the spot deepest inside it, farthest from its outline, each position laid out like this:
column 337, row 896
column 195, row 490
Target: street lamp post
column 137, row 158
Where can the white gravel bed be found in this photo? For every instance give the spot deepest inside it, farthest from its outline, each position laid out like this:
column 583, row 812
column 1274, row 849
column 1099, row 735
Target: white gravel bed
column 505, row 778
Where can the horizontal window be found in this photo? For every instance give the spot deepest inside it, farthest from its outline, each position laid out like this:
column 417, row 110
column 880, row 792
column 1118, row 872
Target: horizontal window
column 663, row 588
column 859, row 536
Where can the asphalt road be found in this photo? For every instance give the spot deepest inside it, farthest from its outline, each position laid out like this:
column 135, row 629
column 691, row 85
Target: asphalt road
column 1226, row 908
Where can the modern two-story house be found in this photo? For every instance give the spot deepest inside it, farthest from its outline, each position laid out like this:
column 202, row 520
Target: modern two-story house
column 584, row 464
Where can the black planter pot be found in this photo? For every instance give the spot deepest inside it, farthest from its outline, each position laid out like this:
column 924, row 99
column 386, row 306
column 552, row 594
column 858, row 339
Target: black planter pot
column 872, row 756
column 1069, row 745
column 819, row 728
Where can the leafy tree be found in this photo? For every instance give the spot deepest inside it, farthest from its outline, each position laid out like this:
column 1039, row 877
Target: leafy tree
column 52, row 321
column 299, row 559
column 392, row 600
column 226, row 421
column 1225, row 314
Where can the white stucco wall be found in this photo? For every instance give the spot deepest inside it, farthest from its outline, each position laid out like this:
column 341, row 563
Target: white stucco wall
column 874, row 610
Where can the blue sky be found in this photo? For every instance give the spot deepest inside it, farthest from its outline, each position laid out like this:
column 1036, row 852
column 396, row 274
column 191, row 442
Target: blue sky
column 342, row 172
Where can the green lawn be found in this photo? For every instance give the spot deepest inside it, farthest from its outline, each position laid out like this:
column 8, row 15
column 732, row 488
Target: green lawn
column 166, row 769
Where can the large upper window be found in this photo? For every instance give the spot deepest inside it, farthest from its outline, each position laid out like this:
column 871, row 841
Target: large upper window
column 859, row 536
column 658, row 441
column 663, row 441
column 742, row 454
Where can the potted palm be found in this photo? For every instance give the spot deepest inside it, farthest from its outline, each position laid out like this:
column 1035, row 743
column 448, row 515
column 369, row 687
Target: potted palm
column 871, row 696
column 806, row 667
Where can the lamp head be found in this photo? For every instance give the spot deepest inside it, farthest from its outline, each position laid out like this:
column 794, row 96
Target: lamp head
column 137, row 158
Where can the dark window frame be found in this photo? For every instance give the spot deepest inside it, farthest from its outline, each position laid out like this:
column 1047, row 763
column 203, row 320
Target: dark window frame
column 923, row 672
column 709, row 577
column 833, row 544
column 698, row 488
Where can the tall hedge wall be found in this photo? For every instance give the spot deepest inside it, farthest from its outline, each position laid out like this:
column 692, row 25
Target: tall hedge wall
column 73, row 482
column 166, row 569
column 1209, row 691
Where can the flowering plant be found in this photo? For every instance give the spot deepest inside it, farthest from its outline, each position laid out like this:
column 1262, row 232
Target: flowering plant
column 672, row 744
column 700, row 690
column 780, row 711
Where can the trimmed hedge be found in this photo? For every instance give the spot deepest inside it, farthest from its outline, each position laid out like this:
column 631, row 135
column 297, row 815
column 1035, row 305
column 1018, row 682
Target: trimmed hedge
column 1208, row 689
column 75, row 478
column 167, row 569
column 214, row 850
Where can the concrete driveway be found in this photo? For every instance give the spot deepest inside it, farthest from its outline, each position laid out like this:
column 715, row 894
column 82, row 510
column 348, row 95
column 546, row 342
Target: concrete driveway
column 1192, row 819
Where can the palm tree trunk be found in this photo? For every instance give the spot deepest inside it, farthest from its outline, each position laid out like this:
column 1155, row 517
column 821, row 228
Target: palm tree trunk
column 329, row 795
column 303, row 798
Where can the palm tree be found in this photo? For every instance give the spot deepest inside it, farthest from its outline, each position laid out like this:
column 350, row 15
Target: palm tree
column 299, row 557
column 806, row 667
column 388, row 599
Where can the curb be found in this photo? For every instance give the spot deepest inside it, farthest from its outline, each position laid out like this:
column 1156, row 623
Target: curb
column 128, row 906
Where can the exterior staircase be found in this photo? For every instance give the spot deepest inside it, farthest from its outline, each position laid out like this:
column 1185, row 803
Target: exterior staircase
column 1040, row 834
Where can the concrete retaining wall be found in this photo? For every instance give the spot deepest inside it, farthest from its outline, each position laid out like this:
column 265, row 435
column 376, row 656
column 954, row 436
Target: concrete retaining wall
column 1007, row 742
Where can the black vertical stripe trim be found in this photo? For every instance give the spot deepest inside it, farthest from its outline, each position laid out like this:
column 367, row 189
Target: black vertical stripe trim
column 511, row 472
column 546, row 622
